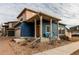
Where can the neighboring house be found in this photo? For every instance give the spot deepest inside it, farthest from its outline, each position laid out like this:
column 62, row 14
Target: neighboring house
column 62, row 28
column 64, row 31
column 4, row 27
column 8, row 28
column 75, row 30
column 0, row 32
column 36, row 24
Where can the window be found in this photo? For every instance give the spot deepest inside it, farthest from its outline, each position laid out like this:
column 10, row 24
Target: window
column 47, row 28
column 61, row 30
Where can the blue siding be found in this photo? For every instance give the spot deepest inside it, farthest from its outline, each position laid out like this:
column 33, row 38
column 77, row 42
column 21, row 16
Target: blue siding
column 27, row 29
column 45, row 34
column 54, row 30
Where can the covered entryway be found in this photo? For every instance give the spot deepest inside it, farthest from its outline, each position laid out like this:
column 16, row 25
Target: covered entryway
column 39, row 22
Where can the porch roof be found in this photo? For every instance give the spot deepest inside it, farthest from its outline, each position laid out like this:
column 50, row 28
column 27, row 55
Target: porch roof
column 45, row 16
column 39, row 13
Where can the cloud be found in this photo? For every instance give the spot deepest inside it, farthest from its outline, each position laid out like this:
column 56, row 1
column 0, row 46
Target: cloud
column 68, row 11
column 70, row 22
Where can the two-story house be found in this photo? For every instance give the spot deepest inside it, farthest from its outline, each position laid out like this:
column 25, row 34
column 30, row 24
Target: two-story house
column 8, row 28
column 75, row 30
column 36, row 24
column 64, row 32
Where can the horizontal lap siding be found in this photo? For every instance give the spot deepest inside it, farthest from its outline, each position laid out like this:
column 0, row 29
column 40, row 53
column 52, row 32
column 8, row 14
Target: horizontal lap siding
column 45, row 34
column 54, row 30
column 27, row 29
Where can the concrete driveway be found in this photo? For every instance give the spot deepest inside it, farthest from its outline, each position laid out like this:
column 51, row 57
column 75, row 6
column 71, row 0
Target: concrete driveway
column 63, row 50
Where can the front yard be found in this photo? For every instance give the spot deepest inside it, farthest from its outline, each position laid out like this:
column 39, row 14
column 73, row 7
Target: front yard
column 9, row 47
column 24, row 49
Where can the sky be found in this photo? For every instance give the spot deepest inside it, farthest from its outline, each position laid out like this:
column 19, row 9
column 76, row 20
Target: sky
column 69, row 12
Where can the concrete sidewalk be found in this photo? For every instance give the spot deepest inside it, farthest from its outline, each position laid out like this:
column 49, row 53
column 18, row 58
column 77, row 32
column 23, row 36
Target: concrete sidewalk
column 63, row 50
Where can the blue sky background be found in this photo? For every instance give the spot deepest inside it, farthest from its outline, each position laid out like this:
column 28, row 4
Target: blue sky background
column 68, row 12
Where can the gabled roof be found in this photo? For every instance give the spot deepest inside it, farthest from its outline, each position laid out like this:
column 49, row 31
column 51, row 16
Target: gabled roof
column 37, row 13
column 24, row 11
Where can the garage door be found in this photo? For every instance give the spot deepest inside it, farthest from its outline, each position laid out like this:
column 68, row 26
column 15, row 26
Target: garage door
column 11, row 33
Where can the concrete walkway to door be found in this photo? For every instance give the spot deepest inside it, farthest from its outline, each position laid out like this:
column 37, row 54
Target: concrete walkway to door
column 62, row 50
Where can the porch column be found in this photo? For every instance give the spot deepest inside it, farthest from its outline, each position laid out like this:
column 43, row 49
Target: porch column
column 51, row 28
column 35, row 27
column 41, row 27
column 58, row 31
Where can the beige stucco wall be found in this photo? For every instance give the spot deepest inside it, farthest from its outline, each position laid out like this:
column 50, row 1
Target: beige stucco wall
column 17, row 33
column 23, row 16
column 3, row 31
column 68, row 34
column 29, row 14
column 26, row 15
column 10, row 25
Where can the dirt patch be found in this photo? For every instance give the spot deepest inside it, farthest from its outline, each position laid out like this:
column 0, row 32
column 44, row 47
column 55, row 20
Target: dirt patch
column 75, row 38
column 5, row 48
column 10, row 47
column 42, row 46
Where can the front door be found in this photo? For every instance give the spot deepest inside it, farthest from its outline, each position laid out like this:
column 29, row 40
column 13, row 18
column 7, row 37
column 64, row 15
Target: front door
column 37, row 30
